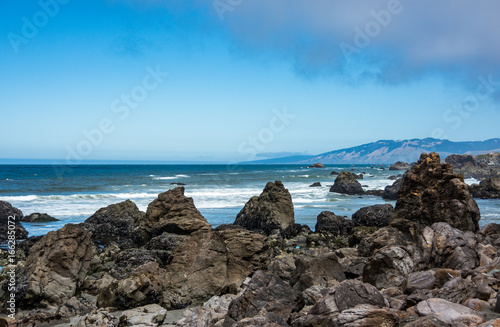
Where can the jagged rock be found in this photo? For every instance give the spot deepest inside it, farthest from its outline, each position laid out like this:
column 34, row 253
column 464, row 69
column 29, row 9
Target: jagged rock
column 427, row 321
column 321, row 268
column 378, row 239
column 394, row 177
column 334, row 173
column 38, row 218
column 266, row 295
column 451, row 313
column 350, row 293
column 442, row 276
column 346, row 183
column 314, row 293
column 283, row 266
column 488, row 189
column 420, row 280
column 389, row 267
column 400, row 165
column 56, row 266
column 6, row 211
column 172, row 212
column 143, row 287
column 164, row 245
column 212, row 313
column 391, row 191
column 271, row 210
column 456, row 290
column 328, row 222
column 77, row 306
column 377, row 215
column 316, row 184
column 114, row 223
column 317, row 165
column 98, row 318
column 432, row 193
column 367, row 315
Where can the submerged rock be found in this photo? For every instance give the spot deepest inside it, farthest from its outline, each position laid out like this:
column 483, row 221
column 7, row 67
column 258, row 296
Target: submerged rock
column 316, row 184
column 317, row 165
column 432, row 193
column 346, row 183
column 38, row 218
column 271, row 210
column 400, row 165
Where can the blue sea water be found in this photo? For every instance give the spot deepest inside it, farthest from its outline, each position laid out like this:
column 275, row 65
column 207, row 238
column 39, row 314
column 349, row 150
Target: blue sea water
column 72, row 194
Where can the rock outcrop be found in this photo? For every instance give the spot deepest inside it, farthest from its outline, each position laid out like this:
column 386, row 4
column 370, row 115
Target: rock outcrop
column 346, row 183
column 377, row 215
column 400, row 165
column 480, row 167
column 173, row 212
column 317, row 165
column 6, row 211
column 56, row 266
column 114, row 223
column 431, row 192
column 488, row 189
column 272, row 210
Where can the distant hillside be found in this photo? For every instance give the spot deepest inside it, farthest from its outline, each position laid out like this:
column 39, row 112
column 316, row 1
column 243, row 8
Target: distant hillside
column 389, row 151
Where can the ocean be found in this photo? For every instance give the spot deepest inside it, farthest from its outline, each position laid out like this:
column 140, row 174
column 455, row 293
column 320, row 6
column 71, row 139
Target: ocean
column 72, row 194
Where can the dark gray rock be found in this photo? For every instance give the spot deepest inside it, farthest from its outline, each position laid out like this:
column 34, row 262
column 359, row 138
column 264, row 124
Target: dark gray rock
column 317, row 165
column 316, row 184
column 6, row 211
column 488, row 189
column 266, row 295
column 346, row 183
column 38, row 218
column 272, row 210
column 114, row 223
column 377, row 215
column 420, row 280
column 391, row 191
column 400, row 165
column 328, row 222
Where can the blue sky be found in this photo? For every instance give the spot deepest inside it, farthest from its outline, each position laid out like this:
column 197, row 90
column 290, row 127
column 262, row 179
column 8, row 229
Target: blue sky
column 240, row 79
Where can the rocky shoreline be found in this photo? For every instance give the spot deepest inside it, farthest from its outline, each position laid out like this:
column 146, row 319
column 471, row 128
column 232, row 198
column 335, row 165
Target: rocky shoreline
column 422, row 263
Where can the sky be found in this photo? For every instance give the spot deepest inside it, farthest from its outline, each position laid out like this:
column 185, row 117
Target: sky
column 238, row 80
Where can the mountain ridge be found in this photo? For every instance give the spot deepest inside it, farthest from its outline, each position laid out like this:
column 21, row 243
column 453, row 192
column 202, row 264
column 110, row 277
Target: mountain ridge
column 390, row 151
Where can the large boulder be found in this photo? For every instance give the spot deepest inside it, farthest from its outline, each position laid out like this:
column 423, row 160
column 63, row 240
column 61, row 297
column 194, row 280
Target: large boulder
column 6, row 211
column 317, row 165
column 271, row 210
column 329, row 222
column 346, row 183
column 377, row 215
column 432, row 193
column 400, row 165
column 173, row 212
column 208, row 263
column 481, row 166
column 114, row 223
column 266, row 295
column 367, row 315
column 56, row 266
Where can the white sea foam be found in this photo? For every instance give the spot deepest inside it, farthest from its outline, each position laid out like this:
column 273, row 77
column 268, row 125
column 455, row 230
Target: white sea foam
column 170, row 177
column 471, row 181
